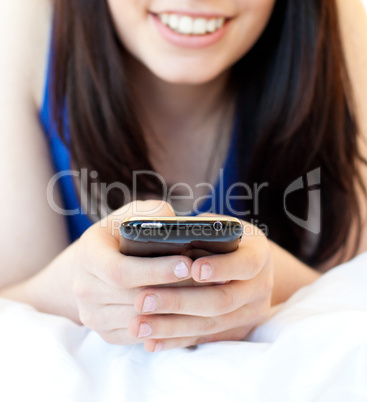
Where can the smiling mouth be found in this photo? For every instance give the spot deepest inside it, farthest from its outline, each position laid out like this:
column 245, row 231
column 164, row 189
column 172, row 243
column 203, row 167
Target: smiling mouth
column 188, row 25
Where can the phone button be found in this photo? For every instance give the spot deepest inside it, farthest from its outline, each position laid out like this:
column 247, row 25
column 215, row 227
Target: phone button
column 217, row 226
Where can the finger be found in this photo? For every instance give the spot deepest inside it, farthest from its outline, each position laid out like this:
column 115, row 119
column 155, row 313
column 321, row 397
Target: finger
column 157, row 345
column 106, row 318
column 119, row 337
column 174, row 326
column 103, row 259
column 127, row 272
column 242, row 264
column 208, row 301
column 90, row 289
column 186, row 283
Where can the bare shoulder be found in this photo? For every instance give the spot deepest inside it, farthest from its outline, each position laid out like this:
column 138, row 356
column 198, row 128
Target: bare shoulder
column 25, row 27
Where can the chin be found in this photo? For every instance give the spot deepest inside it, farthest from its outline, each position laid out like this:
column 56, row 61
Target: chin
column 186, row 73
column 186, row 77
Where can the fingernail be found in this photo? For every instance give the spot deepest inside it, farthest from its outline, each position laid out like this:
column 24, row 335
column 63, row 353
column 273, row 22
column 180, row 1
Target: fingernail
column 150, row 304
column 181, row 270
column 206, row 271
column 144, row 330
column 158, row 347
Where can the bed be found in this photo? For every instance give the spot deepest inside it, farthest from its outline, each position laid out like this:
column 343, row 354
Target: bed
column 312, row 348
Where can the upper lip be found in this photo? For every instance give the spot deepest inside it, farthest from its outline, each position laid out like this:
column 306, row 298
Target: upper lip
column 193, row 14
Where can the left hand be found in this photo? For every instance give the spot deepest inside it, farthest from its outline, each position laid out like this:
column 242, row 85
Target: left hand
column 186, row 316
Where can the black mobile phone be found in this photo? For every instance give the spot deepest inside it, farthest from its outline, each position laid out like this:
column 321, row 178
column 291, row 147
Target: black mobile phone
column 146, row 236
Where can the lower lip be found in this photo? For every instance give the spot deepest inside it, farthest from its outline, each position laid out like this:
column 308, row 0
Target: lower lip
column 189, row 41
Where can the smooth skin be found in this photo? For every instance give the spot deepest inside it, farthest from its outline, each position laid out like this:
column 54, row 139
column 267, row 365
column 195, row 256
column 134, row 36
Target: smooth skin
column 90, row 281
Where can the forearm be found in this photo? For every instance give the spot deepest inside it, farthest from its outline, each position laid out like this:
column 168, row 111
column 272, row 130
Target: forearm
column 50, row 290
column 290, row 274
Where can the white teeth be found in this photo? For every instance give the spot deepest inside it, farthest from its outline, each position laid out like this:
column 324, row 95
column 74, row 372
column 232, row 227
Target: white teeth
column 164, row 18
column 199, row 26
column 220, row 22
column 211, row 26
column 173, row 21
column 187, row 25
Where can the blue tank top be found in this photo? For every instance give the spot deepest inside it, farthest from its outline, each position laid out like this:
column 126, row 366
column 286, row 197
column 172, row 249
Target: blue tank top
column 78, row 220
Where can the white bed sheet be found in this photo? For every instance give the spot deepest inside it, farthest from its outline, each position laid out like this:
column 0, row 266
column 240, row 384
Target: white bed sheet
column 313, row 349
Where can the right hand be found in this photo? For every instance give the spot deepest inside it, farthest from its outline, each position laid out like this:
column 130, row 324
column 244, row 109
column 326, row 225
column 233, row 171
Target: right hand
column 106, row 281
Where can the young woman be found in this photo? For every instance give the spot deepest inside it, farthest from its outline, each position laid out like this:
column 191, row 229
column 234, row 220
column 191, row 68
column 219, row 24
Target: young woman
column 270, row 90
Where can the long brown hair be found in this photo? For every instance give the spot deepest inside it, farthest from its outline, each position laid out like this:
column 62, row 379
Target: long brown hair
column 295, row 111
